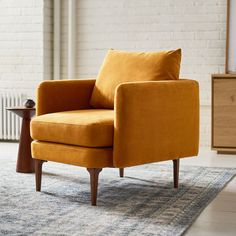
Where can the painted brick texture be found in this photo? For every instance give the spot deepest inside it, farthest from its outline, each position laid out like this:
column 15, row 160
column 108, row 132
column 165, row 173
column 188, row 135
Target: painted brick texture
column 196, row 26
column 22, row 46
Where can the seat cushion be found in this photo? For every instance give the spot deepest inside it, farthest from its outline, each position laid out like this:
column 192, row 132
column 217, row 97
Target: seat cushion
column 119, row 67
column 87, row 128
column 73, row 155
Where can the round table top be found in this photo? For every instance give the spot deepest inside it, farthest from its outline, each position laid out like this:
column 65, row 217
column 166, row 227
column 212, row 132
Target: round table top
column 24, row 112
column 20, row 108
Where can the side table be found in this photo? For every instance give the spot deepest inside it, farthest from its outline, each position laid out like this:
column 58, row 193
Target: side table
column 25, row 163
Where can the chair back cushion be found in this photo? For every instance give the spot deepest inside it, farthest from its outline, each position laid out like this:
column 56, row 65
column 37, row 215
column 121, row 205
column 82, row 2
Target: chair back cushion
column 119, row 67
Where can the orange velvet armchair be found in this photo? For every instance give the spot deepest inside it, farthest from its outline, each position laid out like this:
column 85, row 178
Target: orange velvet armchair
column 151, row 122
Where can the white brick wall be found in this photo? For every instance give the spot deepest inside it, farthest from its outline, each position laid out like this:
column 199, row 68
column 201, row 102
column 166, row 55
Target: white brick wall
column 48, row 40
column 196, row 26
column 24, row 44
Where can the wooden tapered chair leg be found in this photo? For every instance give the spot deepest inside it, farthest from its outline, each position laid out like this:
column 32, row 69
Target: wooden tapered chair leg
column 176, row 172
column 38, row 173
column 121, row 172
column 94, row 173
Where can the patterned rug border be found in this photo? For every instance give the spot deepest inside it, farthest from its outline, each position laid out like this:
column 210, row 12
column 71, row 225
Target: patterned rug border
column 231, row 175
column 215, row 192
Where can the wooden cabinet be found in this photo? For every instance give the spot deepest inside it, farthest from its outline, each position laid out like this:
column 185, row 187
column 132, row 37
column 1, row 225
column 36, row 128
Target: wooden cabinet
column 224, row 112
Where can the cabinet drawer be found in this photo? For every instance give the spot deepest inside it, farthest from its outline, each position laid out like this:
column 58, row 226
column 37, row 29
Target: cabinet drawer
column 224, row 112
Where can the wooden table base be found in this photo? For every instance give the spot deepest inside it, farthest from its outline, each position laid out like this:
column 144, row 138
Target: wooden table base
column 25, row 163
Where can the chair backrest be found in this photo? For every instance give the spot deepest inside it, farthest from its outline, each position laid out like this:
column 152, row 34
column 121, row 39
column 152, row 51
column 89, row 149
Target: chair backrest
column 119, row 67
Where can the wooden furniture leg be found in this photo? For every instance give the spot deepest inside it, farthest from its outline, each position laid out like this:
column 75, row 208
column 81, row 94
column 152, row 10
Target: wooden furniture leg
column 121, row 172
column 94, row 173
column 38, row 173
column 176, row 173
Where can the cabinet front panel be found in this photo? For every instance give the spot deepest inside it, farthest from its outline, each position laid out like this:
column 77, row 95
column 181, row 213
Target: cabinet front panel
column 224, row 112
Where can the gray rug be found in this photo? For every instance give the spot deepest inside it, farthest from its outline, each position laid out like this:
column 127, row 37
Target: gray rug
column 142, row 203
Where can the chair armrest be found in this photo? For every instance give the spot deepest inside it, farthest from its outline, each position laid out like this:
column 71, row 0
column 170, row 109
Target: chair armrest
column 62, row 95
column 155, row 121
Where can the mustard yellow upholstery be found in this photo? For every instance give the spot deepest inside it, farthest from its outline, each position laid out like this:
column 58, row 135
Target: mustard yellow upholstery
column 73, row 155
column 155, row 121
column 63, row 95
column 119, row 67
column 155, row 116
column 87, row 128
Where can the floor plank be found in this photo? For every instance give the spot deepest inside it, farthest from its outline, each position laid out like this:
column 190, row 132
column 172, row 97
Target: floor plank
column 201, row 228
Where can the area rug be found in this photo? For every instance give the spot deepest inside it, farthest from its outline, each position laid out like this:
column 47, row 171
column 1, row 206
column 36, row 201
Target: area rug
column 142, row 203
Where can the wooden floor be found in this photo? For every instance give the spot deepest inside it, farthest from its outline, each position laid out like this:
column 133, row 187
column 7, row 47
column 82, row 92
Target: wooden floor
column 219, row 218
